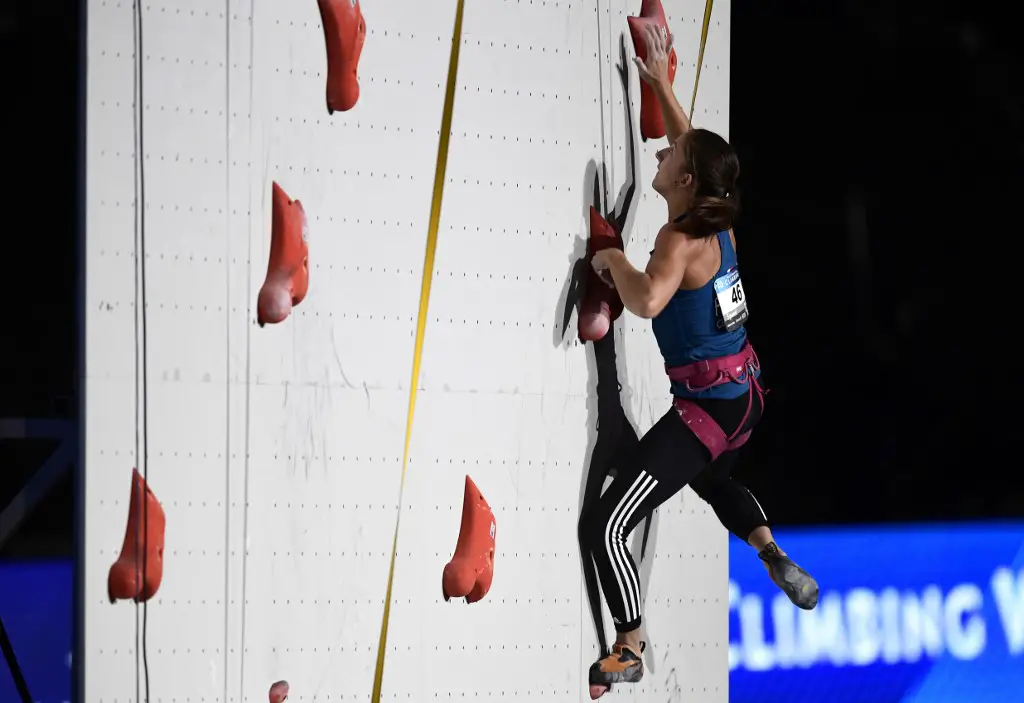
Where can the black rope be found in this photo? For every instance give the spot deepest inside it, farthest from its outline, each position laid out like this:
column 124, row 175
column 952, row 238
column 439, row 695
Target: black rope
column 141, row 360
column 14, row 666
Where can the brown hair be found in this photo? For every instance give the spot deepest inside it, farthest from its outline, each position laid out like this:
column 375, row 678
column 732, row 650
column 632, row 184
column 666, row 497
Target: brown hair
column 715, row 168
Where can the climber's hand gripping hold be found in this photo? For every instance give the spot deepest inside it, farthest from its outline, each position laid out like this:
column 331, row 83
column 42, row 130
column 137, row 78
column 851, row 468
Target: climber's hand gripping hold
column 654, row 71
column 601, row 261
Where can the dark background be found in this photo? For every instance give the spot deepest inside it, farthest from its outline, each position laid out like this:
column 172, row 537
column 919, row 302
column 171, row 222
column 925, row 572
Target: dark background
column 881, row 154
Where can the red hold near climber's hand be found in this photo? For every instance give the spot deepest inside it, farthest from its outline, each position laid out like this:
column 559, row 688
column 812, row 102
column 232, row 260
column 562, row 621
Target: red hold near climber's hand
column 656, row 62
column 601, row 304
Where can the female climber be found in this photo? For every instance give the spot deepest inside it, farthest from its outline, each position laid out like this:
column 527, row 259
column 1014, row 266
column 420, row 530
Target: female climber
column 693, row 295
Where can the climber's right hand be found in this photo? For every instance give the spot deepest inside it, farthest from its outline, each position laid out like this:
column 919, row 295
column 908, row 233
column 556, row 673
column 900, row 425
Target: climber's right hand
column 659, row 43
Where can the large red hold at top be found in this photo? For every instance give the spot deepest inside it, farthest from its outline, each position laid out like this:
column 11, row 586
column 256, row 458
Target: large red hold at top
column 652, row 126
column 344, row 33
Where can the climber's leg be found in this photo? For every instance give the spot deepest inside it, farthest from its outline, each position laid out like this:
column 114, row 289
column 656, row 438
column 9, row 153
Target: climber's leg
column 668, row 457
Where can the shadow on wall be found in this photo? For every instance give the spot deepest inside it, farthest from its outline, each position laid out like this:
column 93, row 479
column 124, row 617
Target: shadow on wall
column 612, row 432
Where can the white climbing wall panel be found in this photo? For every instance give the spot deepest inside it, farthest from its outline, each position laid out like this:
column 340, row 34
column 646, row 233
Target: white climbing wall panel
column 277, row 452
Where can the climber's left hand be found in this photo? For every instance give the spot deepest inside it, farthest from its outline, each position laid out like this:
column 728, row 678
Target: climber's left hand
column 602, row 263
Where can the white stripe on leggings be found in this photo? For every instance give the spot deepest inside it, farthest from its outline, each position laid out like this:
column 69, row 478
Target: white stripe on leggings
column 629, row 586
column 623, row 553
column 756, row 503
column 613, row 556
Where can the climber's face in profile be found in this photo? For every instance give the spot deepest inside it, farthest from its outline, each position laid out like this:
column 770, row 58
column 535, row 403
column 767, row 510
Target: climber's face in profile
column 673, row 172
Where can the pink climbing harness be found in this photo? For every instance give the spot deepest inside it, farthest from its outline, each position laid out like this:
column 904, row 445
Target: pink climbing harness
column 701, row 375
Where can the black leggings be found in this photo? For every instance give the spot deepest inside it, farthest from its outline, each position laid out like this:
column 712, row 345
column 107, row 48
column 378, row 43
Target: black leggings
column 668, row 457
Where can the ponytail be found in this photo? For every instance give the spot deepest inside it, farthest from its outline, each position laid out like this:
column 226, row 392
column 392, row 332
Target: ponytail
column 712, row 214
column 715, row 169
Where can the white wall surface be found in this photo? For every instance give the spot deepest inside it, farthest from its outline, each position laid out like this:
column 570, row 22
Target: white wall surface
column 277, row 452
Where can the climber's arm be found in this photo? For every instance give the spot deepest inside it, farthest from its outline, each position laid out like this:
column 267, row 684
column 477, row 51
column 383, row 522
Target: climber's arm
column 646, row 293
column 676, row 121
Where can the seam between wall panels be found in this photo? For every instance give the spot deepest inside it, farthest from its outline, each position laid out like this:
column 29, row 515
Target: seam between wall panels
column 227, row 345
column 244, row 546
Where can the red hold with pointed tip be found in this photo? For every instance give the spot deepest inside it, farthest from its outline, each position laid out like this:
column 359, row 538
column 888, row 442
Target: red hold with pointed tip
column 652, row 126
column 139, row 568
column 598, row 689
column 287, row 279
column 471, row 570
column 601, row 304
column 344, row 33
column 279, row 692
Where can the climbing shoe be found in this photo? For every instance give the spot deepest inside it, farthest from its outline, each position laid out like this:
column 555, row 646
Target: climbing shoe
column 623, row 665
column 796, row 583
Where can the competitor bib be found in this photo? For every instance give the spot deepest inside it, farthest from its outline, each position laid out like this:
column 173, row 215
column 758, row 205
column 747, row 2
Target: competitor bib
column 731, row 303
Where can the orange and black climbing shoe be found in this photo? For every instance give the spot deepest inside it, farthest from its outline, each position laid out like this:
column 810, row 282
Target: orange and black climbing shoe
column 623, row 665
column 797, row 584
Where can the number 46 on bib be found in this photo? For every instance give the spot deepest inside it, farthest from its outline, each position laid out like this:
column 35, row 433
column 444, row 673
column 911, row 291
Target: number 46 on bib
column 731, row 303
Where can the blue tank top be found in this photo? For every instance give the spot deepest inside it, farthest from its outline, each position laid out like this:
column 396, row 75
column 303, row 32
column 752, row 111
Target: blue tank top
column 688, row 330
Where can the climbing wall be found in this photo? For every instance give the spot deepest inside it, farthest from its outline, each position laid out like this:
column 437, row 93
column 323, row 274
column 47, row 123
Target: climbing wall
column 280, row 454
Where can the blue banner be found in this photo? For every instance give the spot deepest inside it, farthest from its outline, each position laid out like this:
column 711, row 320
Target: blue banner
column 930, row 614
column 35, row 604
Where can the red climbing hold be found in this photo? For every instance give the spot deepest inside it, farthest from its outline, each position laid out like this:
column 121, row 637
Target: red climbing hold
column 279, row 692
column 652, row 126
column 599, row 689
column 139, row 569
column 288, row 271
column 601, row 303
column 471, row 569
column 344, row 32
